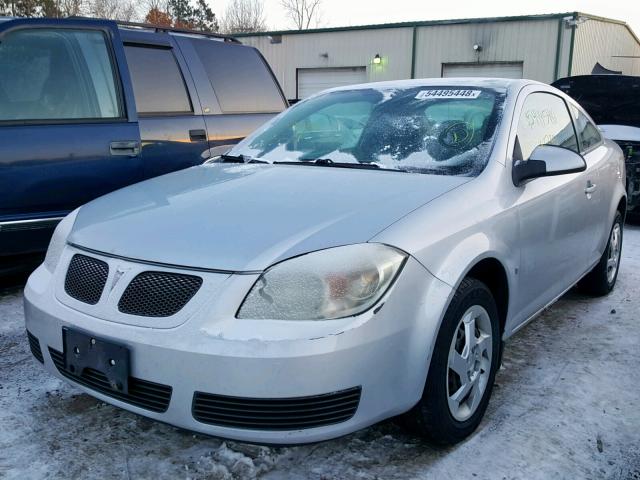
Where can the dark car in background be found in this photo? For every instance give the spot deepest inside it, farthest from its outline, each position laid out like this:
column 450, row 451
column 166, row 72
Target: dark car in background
column 89, row 106
column 613, row 101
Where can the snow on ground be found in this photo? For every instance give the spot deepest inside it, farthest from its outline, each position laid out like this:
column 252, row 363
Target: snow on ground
column 565, row 406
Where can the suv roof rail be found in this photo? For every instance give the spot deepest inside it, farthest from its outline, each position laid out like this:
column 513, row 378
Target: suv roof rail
column 187, row 31
column 161, row 29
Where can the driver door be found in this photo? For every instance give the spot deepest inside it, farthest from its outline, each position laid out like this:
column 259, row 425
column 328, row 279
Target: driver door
column 68, row 127
column 555, row 231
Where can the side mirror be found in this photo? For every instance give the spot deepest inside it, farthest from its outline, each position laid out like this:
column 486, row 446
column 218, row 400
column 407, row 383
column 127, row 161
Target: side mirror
column 547, row 161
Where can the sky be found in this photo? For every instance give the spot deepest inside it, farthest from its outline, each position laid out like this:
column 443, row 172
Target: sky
column 336, row 13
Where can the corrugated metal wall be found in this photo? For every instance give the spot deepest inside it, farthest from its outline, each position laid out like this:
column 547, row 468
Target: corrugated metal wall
column 542, row 45
column 598, row 41
column 531, row 42
column 342, row 49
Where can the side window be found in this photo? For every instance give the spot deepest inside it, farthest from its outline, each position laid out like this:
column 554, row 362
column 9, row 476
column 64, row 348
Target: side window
column 544, row 120
column 57, row 75
column 239, row 77
column 588, row 133
column 158, row 85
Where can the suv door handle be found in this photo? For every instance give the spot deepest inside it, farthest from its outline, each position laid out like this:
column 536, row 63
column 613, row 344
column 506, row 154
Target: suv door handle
column 129, row 148
column 590, row 188
column 198, row 135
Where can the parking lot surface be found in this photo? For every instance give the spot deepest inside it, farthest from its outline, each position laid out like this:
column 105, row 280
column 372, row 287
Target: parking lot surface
column 566, row 405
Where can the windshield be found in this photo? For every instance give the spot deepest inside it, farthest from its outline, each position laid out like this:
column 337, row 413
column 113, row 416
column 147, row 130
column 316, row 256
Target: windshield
column 609, row 99
column 444, row 130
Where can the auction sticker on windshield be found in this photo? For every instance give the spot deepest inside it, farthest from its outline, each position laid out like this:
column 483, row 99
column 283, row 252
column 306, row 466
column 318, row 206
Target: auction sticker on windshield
column 426, row 94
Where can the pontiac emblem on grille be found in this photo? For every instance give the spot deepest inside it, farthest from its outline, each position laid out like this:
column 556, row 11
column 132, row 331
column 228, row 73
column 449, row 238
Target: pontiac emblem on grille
column 120, row 271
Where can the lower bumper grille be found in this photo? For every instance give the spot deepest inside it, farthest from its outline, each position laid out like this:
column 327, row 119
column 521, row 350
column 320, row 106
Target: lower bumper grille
column 142, row 393
column 34, row 345
column 276, row 413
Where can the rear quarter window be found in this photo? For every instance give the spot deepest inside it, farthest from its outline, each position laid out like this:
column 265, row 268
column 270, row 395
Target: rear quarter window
column 588, row 134
column 239, row 77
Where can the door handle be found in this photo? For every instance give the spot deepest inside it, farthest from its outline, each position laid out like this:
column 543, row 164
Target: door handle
column 590, row 188
column 198, row 135
column 128, row 148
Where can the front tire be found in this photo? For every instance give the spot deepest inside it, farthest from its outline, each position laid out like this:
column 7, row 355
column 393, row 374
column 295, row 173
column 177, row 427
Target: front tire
column 462, row 368
column 601, row 280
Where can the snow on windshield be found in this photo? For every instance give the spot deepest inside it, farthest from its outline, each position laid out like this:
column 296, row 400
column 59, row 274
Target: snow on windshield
column 443, row 130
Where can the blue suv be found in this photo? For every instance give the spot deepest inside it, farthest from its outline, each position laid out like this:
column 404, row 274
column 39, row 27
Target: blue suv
column 90, row 106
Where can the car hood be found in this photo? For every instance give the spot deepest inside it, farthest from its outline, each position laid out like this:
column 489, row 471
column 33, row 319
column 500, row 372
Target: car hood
column 621, row 132
column 247, row 217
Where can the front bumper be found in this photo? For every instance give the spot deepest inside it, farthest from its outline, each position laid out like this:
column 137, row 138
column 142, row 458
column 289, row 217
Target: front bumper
column 384, row 355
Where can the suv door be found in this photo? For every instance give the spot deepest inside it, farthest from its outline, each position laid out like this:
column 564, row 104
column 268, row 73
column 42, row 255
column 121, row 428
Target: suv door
column 237, row 88
column 172, row 129
column 556, row 236
column 65, row 130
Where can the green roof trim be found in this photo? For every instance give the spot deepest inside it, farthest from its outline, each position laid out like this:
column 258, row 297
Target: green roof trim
column 428, row 23
column 423, row 23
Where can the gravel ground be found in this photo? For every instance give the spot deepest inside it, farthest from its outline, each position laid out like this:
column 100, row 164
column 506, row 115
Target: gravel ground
column 565, row 406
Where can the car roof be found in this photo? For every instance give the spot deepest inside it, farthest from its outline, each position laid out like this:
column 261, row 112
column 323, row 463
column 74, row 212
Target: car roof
column 484, row 82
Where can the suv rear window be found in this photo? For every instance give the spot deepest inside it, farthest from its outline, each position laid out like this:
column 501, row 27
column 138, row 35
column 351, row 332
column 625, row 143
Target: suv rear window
column 158, row 85
column 239, row 77
column 58, row 75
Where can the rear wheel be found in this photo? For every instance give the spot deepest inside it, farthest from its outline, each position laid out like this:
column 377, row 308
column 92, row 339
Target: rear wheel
column 462, row 369
column 601, row 280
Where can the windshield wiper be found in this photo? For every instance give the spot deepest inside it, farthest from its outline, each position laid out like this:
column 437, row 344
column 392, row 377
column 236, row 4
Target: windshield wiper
column 239, row 159
column 327, row 162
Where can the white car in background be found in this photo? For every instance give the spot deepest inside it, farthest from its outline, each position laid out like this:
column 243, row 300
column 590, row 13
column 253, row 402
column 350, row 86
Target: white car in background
column 361, row 256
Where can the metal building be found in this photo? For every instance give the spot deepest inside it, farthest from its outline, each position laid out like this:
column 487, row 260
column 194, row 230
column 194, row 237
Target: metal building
column 540, row 47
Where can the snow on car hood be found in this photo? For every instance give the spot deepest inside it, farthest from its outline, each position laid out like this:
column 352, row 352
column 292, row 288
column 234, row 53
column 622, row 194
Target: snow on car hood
column 246, row 217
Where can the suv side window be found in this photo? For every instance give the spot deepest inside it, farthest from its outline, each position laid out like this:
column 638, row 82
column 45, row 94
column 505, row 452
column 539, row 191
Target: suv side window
column 158, row 85
column 588, row 133
column 56, row 74
column 239, row 77
column 544, row 120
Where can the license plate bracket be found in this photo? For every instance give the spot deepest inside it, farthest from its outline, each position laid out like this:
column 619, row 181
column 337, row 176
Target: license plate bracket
column 83, row 350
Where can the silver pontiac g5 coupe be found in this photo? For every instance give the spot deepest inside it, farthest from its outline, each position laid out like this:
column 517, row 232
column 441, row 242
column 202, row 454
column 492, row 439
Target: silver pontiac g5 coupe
column 362, row 256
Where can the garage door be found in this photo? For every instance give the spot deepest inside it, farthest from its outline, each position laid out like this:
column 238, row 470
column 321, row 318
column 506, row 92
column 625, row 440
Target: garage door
column 314, row 80
column 497, row 70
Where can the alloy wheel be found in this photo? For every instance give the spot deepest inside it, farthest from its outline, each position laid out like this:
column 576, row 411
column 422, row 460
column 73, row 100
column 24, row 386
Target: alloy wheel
column 613, row 256
column 469, row 364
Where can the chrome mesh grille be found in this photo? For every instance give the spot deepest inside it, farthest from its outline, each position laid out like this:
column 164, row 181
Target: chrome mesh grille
column 158, row 294
column 86, row 278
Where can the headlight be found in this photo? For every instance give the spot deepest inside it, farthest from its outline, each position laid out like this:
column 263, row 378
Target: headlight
column 59, row 240
column 323, row 285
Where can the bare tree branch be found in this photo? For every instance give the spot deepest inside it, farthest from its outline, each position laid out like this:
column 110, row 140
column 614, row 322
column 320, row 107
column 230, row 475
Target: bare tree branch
column 303, row 13
column 244, row 16
column 113, row 9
